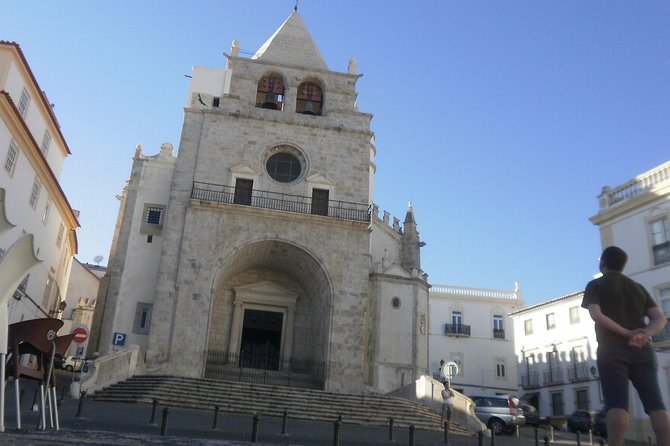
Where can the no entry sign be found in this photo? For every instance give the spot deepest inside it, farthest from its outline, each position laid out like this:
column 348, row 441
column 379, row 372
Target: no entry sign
column 80, row 335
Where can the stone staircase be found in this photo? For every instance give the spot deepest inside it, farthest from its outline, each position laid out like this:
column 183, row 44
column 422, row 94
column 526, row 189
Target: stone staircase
column 250, row 398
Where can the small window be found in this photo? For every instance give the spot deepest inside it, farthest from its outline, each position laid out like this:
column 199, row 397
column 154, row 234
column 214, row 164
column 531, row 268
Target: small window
column 557, row 403
column 10, row 161
column 551, row 324
column 500, row 368
column 142, row 318
column 150, row 238
column 395, row 302
column 574, row 315
column 215, row 102
column 310, row 99
column 270, row 93
column 660, row 235
column 528, row 326
column 35, row 193
column 59, row 237
column 154, row 215
column 24, row 102
column 46, row 142
column 45, row 214
column 582, row 399
column 243, row 191
column 320, row 201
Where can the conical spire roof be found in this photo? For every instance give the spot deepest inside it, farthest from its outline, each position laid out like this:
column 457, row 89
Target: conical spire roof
column 292, row 44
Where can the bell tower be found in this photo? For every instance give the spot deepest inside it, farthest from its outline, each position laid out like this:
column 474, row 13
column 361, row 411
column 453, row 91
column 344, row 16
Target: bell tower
column 266, row 250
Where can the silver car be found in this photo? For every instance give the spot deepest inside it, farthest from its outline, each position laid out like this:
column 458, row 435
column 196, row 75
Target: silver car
column 500, row 413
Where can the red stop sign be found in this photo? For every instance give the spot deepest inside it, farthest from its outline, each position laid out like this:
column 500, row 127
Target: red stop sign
column 80, row 335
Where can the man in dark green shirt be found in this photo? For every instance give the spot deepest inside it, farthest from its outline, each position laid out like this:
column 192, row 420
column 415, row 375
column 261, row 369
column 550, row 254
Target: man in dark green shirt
column 619, row 305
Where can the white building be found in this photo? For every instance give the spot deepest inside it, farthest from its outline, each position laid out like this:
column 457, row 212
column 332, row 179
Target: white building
column 556, row 356
column 636, row 217
column 258, row 246
column 472, row 328
column 82, row 291
column 32, row 153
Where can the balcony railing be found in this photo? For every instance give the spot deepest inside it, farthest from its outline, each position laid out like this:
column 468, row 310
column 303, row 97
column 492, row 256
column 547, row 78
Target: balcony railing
column 530, row 380
column 643, row 183
column 578, row 372
column 217, row 193
column 498, row 333
column 456, row 330
column 553, row 376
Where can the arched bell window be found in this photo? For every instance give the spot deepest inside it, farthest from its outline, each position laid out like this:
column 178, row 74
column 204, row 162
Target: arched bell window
column 310, row 99
column 270, row 93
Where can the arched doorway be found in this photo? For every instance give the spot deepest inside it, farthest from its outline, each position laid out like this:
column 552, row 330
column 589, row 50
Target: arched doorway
column 270, row 317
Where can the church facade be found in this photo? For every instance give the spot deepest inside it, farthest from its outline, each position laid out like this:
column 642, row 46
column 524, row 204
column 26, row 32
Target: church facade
column 258, row 245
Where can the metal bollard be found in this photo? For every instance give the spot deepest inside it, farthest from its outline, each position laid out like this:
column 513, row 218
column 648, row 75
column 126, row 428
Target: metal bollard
column 546, row 440
column 551, row 433
column 152, row 420
column 579, row 439
column 493, row 438
column 517, row 431
column 216, row 417
column 411, row 435
column 336, row 432
column 391, row 429
column 283, row 423
column 537, row 437
column 590, row 437
column 62, row 393
column 446, row 432
column 80, row 407
column 254, row 428
column 164, row 422
column 480, row 438
column 33, row 406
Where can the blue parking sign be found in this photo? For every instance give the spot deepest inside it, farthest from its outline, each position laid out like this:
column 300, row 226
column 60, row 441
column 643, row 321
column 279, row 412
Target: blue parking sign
column 119, row 339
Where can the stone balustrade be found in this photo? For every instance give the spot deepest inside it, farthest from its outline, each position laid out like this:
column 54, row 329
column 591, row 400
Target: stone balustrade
column 646, row 182
column 474, row 292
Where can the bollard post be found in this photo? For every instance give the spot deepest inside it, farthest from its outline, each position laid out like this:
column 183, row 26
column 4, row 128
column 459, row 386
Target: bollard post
column 391, row 429
column 80, row 408
column 336, row 431
column 551, row 433
column 579, row 439
column 152, row 420
column 283, row 423
column 590, row 437
column 62, row 393
column 546, row 440
column 254, row 428
column 215, row 422
column 517, row 431
column 164, row 422
column 411, row 435
column 537, row 437
column 480, row 438
column 33, row 406
column 446, row 432
column 493, row 438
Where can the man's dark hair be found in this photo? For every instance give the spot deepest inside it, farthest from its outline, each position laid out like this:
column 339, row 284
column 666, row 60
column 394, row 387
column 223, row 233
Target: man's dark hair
column 614, row 258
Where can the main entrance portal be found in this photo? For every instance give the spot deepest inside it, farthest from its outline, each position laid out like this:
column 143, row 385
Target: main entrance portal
column 261, row 339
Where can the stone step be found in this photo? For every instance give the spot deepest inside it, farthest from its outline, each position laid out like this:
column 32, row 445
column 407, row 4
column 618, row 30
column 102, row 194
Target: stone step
column 237, row 397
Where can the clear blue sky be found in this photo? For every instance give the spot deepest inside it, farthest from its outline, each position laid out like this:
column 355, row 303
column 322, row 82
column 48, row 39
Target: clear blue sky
column 499, row 120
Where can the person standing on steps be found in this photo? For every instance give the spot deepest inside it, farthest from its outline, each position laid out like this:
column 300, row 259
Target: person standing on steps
column 447, row 403
column 618, row 305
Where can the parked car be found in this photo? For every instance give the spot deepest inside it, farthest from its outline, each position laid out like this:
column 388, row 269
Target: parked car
column 500, row 413
column 533, row 417
column 71, row 363
column 581, row 420
column 600, row 423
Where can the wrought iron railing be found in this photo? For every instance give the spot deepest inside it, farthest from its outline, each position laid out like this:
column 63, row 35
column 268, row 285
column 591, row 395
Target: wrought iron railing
column 530, row 380
column 264, row 369
column 664, row 335
column 579, row 372
column 498, row 333
column 218, row 193
column 553, row 376
column 456, row 330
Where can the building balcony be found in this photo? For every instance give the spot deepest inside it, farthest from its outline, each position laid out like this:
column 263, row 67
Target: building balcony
column 647, row 182
column 343, row 210
column 498, row 333
column 578, row 373
column 553, row 377
column 530, row 380
column 458, row 330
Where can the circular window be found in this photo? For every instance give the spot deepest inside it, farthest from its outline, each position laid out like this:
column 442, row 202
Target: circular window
column 395, row 302
column 285, row 163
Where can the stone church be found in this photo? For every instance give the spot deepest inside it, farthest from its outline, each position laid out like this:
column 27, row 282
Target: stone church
column 258, row 249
